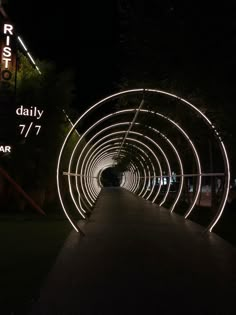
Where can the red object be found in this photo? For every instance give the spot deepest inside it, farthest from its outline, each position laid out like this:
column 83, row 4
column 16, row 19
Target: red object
column 21, row 191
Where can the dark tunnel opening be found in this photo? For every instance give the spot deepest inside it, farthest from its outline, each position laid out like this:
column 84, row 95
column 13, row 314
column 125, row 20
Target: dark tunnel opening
column 111, row 177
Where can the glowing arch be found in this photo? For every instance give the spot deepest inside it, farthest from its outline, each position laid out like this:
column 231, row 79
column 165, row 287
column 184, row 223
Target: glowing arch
column 132, row 180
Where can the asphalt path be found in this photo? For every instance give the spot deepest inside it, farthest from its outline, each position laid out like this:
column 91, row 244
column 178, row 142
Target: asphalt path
column 138, row 258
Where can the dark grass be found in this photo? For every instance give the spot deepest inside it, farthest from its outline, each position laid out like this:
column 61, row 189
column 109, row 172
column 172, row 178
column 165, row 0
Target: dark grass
column 225, row 227
column 202, row 215
column 29, row 245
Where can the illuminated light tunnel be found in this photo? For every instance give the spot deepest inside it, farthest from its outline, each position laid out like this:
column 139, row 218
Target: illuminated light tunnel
column 160, row 146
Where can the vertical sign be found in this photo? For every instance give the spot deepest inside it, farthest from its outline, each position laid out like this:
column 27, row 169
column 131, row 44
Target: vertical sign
column 7, row 87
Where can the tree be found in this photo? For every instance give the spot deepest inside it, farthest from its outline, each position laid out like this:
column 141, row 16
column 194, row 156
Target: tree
column 33, row 160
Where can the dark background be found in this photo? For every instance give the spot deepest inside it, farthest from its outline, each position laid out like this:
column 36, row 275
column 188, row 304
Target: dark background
column 186, row 47
column 108, row 40
column 82, row 35
column 188, row 44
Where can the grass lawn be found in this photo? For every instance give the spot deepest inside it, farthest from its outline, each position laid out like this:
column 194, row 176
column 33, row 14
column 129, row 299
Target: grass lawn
column 29, row 246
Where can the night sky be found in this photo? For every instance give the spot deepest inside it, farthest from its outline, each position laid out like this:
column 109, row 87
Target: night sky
column 106, row 41
column 79, row 35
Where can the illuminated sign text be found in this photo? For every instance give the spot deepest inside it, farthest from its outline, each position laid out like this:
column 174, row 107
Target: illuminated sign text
column 29, row 128
column 7, row 52
column 26, row 129
column 33, row 111
column 5, row 148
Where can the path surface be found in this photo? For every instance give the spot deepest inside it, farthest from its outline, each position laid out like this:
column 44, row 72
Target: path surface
column 137, row 258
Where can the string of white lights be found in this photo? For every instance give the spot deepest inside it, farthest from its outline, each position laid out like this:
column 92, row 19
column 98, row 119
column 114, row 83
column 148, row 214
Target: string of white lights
column 28, row 53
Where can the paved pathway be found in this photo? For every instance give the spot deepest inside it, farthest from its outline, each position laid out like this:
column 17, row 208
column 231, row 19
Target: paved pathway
column 137, row 258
